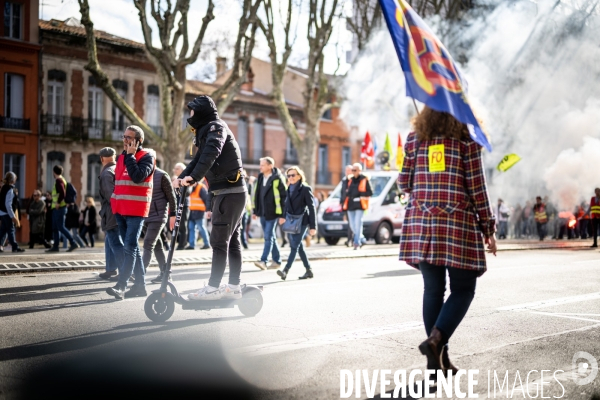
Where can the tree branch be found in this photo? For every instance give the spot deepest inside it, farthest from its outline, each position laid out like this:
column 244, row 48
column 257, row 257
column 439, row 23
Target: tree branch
column 100, row 76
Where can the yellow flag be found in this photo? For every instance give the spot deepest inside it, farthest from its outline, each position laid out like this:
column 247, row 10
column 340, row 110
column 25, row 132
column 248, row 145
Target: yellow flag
column 508, row 161
column 399, row 154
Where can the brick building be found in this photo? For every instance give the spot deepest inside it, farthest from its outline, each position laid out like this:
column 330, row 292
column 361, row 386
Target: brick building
column 77, row 117
column 19, row 103
column 253, row 104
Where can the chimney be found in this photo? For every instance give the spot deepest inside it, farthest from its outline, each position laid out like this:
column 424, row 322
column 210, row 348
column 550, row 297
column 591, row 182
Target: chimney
column 221, row 66
column 248, row 86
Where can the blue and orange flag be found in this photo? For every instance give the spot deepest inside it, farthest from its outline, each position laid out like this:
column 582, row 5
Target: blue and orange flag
column 431, row 75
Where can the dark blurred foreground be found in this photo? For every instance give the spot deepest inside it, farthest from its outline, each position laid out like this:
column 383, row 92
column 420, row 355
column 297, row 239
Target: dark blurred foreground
column 149, row 370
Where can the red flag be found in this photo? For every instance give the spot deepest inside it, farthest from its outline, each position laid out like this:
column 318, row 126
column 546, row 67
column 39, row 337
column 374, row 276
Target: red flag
column 367, row 152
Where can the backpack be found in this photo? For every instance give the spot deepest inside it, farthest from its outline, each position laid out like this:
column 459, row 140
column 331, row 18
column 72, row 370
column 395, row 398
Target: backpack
column 71, row 194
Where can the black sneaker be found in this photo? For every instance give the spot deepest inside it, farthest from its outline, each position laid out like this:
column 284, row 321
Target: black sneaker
column 116, row 291
column 107, row 274
column 136, row 291
column 159, row 278
column 52, row 250
column 73, row 247
column 208, row 247
column 18, row 250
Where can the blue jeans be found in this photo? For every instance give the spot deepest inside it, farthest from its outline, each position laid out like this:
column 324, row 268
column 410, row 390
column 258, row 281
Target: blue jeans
column 58, row 226
column 130, row 229
column 446, row 316
column 201, row 225
column 296, row 246
column 355, row 218
column 76, row 237
column 502, row 229
column 113, row 250
column 268, row 226
column 8, row 228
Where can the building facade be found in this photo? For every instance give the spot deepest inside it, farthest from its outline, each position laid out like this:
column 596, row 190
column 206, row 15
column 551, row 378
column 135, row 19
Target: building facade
column 77, row 118
column 19, row 103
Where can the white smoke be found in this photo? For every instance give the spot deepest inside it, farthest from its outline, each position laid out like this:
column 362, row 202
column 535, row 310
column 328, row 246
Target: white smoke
column 572, row 178
column 532, row 71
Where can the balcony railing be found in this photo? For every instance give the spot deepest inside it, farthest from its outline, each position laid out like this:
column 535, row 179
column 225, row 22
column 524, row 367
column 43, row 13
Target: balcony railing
column 14, row 123
column 254, row 156
column 86, row 129
column 323, row 178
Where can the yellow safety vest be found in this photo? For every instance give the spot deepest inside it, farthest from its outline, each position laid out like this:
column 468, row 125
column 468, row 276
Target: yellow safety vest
column 55, row 194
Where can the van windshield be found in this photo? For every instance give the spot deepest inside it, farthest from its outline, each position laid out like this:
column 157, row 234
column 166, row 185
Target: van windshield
column 378, row 183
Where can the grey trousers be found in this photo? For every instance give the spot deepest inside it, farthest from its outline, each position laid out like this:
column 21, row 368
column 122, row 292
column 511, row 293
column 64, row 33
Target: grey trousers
column 152, row 243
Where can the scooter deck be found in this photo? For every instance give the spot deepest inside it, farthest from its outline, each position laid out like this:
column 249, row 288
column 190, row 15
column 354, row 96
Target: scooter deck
column 210, row 304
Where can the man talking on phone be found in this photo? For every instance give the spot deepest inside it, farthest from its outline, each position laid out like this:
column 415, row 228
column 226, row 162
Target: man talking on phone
column 219, row 160
column 130, row 203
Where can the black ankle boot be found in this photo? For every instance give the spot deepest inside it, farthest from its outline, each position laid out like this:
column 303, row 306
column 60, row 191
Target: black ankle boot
column 432, row 349
column 446, row 363
column 282, row 273
column 307, row 275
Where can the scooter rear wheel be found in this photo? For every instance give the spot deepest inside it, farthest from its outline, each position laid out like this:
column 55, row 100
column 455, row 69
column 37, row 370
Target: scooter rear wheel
column 159, row 308
column 253, row 302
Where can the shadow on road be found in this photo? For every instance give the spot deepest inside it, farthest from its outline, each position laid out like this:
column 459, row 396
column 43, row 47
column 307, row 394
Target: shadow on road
column 50, row 307
column 48, row 286
column 395, row 272
column 35, row 296
column 99, row 338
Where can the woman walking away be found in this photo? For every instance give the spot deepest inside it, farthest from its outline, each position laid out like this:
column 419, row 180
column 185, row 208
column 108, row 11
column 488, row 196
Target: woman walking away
column 89, row 225
column 73, row 220
column 445, row 221
column 299, row 201
column 37, row 220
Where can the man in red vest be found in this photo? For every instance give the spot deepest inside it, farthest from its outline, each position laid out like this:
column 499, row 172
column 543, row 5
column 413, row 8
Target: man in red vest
column 356, row 202
column 130, row 203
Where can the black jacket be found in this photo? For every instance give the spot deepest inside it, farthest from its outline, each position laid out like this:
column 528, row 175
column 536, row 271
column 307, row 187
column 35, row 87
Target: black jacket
column 264, row 197
column 218, row 157
column 354, row 195
column 302, row 201
column 139, row 170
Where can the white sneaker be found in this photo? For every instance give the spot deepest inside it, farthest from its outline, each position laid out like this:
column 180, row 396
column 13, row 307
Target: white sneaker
column 261, row 264
column 274, row 265
column 230, row 291
column 206, row 293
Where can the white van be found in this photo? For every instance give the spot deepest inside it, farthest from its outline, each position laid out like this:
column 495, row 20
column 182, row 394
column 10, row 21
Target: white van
column 383, row 219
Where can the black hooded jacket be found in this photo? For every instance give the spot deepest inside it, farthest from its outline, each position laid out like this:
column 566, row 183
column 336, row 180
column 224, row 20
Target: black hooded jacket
column 218, row 157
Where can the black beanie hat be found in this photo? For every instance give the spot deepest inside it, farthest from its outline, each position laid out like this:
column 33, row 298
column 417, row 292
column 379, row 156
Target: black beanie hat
column 205, row 111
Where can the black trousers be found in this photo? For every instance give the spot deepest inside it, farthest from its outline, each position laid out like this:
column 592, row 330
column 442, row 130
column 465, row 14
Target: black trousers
column 595, row 224
column 227, row 210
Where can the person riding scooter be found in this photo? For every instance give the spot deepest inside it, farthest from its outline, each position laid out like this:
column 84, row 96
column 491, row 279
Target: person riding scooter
column 219, row 160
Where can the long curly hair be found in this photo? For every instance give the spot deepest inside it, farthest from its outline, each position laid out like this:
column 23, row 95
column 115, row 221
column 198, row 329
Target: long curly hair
column 429, row 124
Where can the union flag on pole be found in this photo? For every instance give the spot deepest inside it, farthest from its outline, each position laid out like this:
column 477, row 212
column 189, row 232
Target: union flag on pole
column 367, row 152
column 431, row 75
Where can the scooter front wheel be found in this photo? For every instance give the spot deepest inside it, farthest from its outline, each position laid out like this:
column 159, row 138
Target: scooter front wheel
column 159, row 307
column 252, row 302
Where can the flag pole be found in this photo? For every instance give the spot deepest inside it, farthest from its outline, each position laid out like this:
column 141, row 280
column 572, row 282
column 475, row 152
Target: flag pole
column 415, row 104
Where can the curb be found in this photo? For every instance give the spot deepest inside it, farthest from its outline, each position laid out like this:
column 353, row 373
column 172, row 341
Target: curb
column 81, row 265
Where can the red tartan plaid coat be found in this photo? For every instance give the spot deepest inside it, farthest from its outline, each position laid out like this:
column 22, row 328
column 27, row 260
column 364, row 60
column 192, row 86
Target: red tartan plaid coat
column 449, row 210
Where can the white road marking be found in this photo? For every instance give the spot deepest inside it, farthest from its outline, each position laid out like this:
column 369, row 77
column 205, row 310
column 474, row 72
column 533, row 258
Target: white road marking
column 565, row 316
column 551, row 302
column 324, row 340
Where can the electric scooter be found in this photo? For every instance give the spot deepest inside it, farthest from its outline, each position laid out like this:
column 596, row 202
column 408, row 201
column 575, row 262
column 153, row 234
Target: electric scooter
column 160, row 305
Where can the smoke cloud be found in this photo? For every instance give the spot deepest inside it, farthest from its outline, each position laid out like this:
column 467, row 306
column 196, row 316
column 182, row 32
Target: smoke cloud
column 532, row 71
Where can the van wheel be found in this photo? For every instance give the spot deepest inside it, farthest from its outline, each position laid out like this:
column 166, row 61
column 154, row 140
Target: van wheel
column 383, row 234
column 332, row 241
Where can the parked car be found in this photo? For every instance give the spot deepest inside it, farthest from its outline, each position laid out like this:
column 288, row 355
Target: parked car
column 383, row 219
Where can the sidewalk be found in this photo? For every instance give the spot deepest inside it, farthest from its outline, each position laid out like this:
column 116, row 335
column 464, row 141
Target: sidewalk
column 37, row 260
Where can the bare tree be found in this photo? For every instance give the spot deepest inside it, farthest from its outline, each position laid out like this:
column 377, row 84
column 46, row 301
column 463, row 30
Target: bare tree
column 171, row 60
column 366, row 18
column 447, row 9
column 317, row 91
